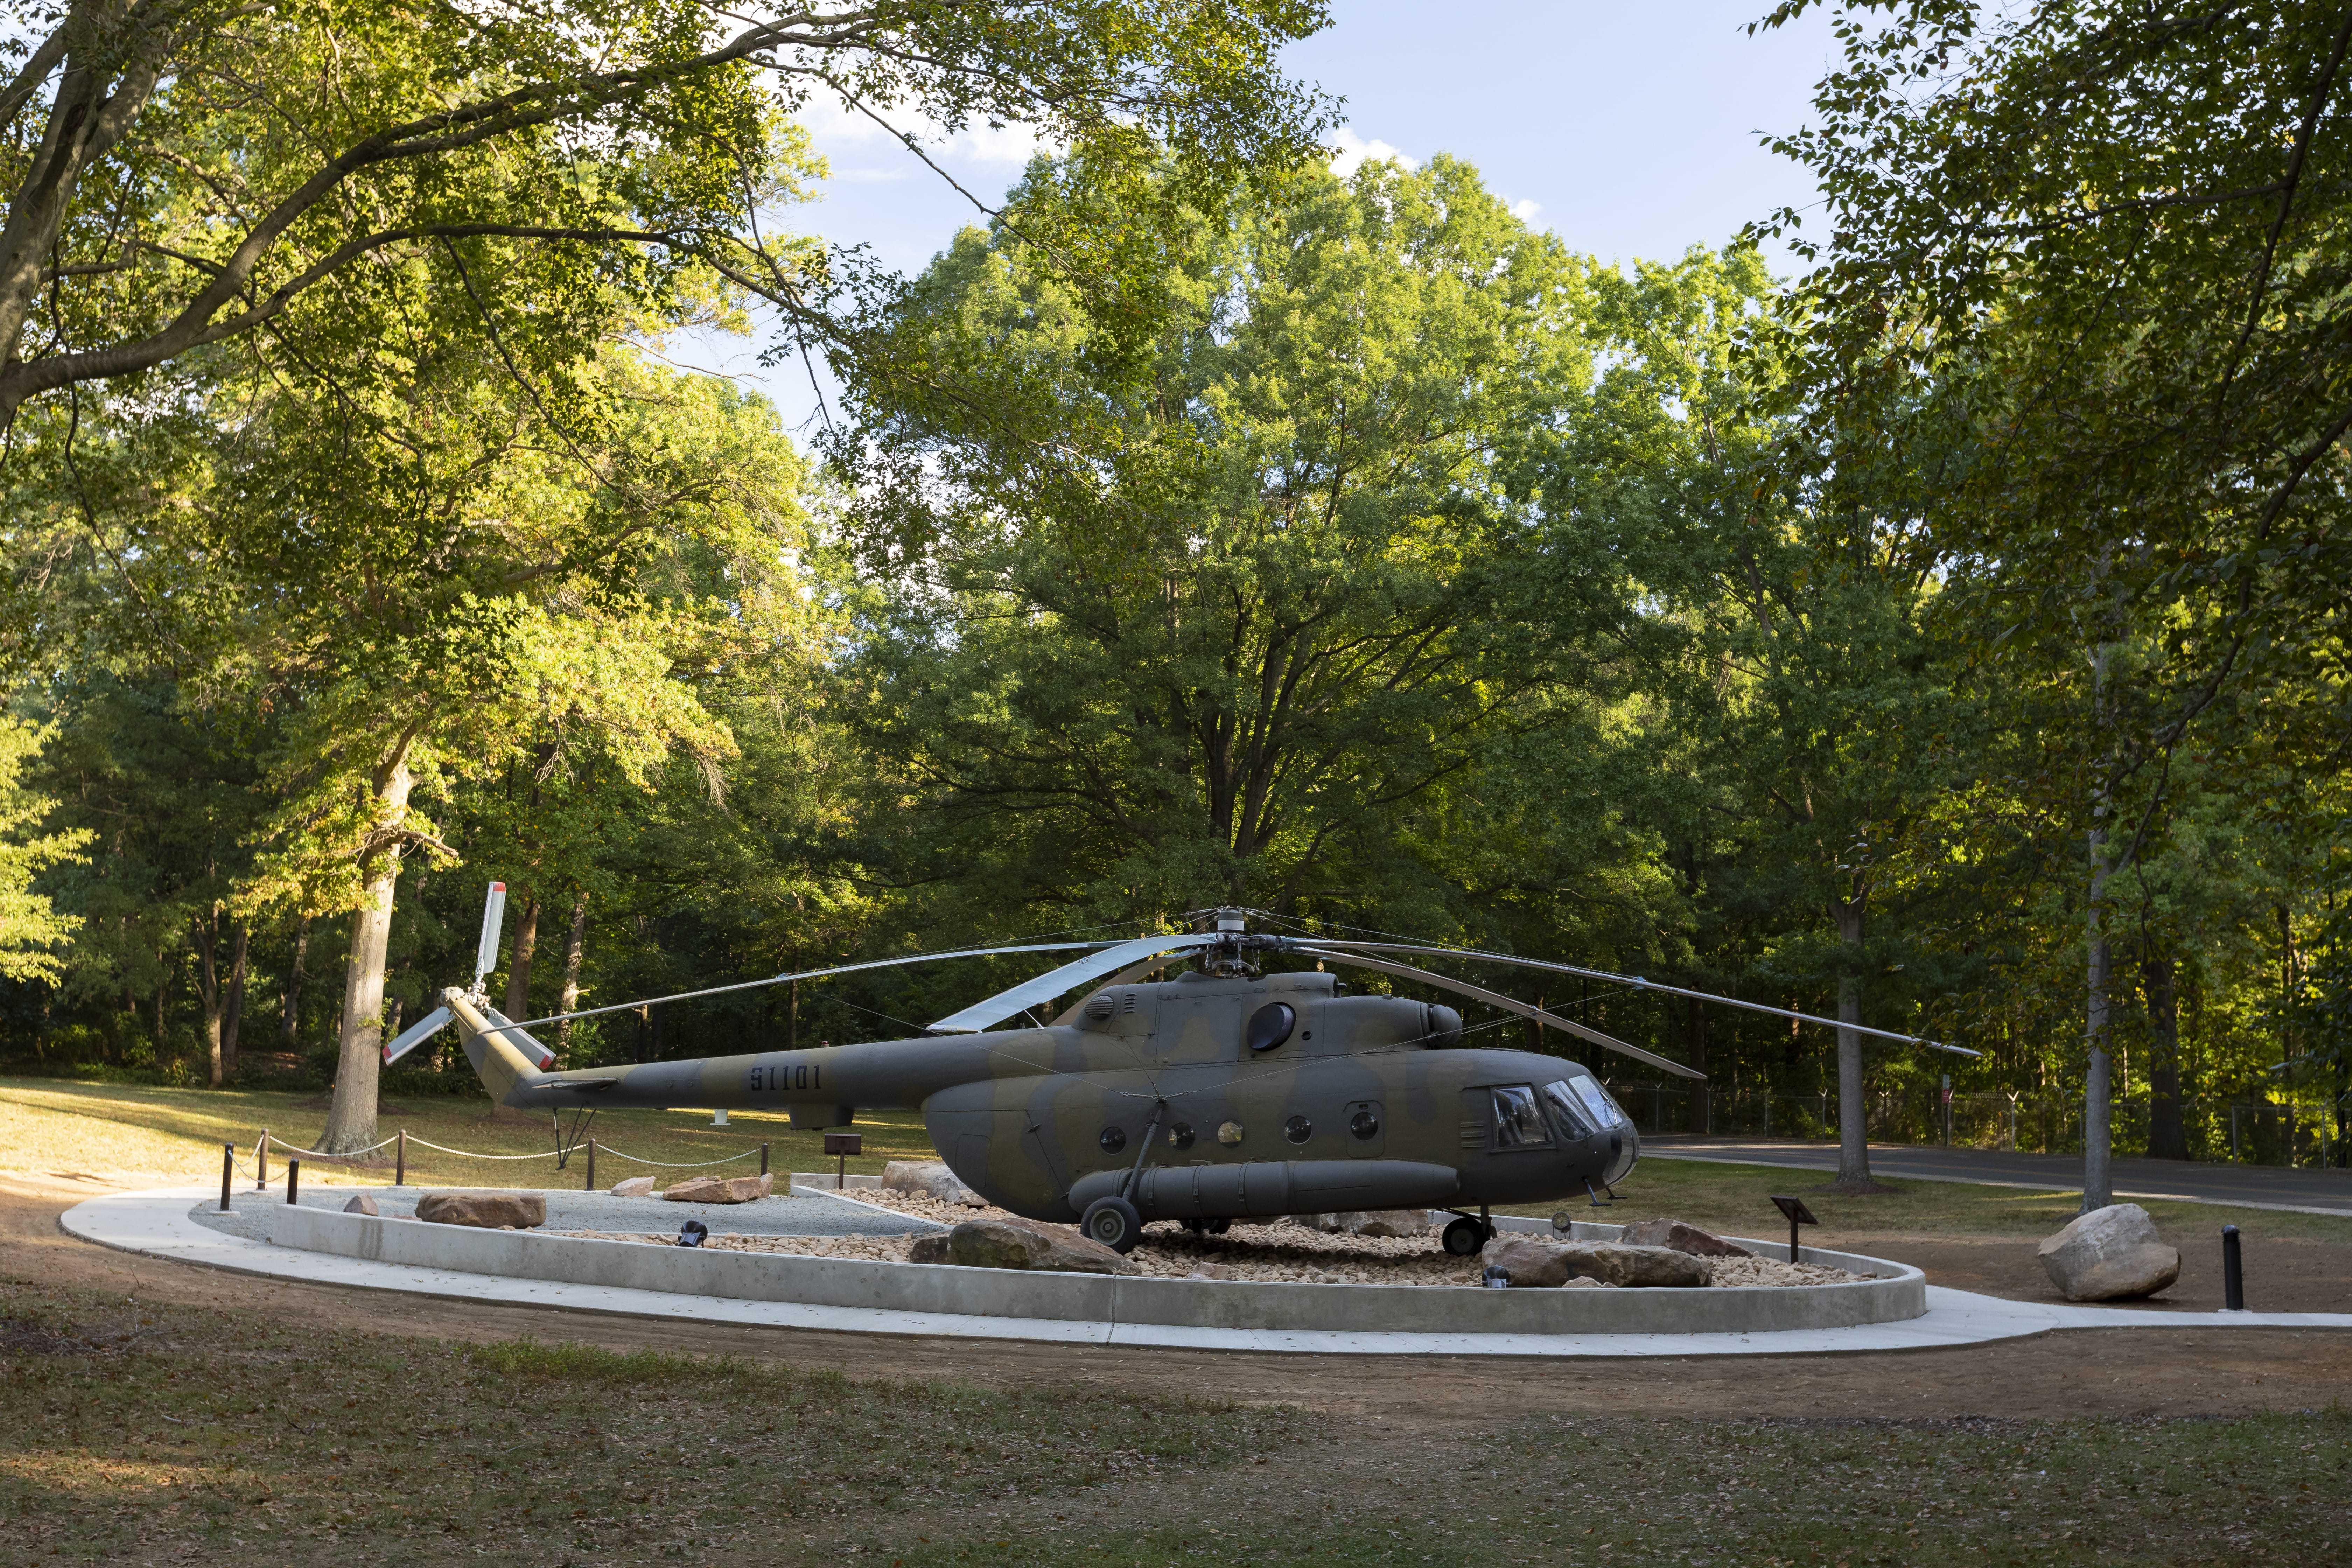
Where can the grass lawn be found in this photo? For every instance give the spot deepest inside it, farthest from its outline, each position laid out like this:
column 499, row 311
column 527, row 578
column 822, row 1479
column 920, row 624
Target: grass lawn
column 137, row 1433
column 133, row 1134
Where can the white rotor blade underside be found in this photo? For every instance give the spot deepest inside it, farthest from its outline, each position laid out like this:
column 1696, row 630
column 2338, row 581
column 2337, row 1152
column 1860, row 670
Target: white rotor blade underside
column 1509, row 1005
column 1052, row 984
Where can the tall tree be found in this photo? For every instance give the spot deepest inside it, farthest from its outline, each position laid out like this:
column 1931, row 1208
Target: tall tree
column 2112, row 238
column 175, row 175
column 1216, row 619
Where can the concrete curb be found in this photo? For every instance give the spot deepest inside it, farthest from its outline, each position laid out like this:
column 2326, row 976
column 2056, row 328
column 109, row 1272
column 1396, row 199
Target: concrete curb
column 157, row 1224
column 875, row 1286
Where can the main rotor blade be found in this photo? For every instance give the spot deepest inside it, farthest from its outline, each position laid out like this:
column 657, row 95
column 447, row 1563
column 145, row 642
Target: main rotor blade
column 1053, row 983
column 1132, row 972
column 804, row 975
column 1639, row 983
column 1509, row 1005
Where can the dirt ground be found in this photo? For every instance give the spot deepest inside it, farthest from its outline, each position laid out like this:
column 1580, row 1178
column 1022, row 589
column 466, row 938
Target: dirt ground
column 2282, row 1274
column 2125, row 1373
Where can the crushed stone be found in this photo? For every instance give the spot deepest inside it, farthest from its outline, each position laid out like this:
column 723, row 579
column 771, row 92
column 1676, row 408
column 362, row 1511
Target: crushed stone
column 1281, row 1251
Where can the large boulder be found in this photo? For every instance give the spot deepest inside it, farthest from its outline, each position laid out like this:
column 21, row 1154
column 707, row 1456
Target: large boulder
column 1681, row 1237
column 2108, row 1255
column 363, row 1204
column 720, row 1189
column 634, row 1187
column 1631, row 1266
column 1526, row 1260
column 930, row 1248
column 1009, row 1242
column 930, row 1178
column 484, row 1211
column 1530, row 1260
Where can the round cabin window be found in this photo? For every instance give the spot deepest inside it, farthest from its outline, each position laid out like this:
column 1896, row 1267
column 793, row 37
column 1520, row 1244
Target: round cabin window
column 1180, row 1135
column 1113, row 1140
column 1270, row 1026
column 1298, row 1130
column 1364, row 1124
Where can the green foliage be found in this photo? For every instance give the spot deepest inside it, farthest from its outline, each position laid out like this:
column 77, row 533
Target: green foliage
column 31, row 928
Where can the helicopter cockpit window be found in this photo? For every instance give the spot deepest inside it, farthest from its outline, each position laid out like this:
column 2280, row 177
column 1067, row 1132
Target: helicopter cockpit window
column 1518, row 1123
column 1571, row 1118
column 1596, row 1100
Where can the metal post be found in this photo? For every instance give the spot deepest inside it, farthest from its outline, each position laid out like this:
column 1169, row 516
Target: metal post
column 591, row 1165
column 763, row 1159
column 228, row 1168
column 2233, row 1272
column 261, row 1162
column 1792, row 1238
column 400, row 1160
column 293, row 1178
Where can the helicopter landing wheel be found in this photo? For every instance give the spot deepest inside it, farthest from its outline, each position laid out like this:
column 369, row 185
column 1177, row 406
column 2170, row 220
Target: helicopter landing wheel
column 1466, row 1237
column 1114, row 1222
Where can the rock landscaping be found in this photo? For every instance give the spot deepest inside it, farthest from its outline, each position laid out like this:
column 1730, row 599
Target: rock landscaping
column 2109, row 1254
column 1682, row 1237
column 930, row 1178
column 1278, row 1251
column 484, row 1211
column 720, row 1189
column 634, row 1187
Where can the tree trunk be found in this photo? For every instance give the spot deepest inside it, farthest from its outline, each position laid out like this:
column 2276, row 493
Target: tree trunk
column 1702, row 1108
column 1854, row 1110
column 350, row 1118
column 519, row 971
column 233, row 1010
column 2098, row 1181
column 573, row 947
column 289, row 1021
column 2167, row 1139
column 208, row 991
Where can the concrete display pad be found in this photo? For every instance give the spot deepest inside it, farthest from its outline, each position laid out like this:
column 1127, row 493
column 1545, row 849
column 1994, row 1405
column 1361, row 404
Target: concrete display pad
column 159, row 1222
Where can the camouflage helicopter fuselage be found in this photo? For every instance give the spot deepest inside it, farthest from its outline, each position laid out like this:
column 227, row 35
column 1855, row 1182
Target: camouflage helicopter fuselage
column 1203, row 1098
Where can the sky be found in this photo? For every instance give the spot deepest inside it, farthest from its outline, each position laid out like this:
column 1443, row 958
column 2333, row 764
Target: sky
column 1630, row 131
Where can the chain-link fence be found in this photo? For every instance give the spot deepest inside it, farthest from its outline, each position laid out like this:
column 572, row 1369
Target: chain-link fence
column 2244, row 1131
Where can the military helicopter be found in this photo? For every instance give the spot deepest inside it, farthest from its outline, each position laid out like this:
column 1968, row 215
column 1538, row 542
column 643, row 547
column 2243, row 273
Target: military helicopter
column 1231, row 1091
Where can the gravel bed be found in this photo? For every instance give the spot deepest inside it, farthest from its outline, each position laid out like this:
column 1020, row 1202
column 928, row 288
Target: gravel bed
column 1281, row 1251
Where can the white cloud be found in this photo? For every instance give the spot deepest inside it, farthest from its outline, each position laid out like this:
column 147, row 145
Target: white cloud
column 1524, row 210
column 837, row 126
column 1353, row 149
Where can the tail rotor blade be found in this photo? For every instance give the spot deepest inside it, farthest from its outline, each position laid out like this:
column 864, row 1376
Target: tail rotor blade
column 415, row 1035
column 494, row 914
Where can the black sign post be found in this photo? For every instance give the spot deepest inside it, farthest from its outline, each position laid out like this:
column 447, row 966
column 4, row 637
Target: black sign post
column 1797, row 1214
column 842, row 1145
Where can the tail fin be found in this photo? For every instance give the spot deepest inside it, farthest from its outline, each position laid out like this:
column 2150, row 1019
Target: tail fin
column 506, row 1059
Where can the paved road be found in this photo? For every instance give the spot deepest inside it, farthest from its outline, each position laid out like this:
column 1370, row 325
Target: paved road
column 2246, row 1187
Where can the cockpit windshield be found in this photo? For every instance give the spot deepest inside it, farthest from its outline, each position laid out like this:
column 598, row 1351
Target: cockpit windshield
column 1518, row 1124
column 1567, row 1114
column 1602, row 1110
